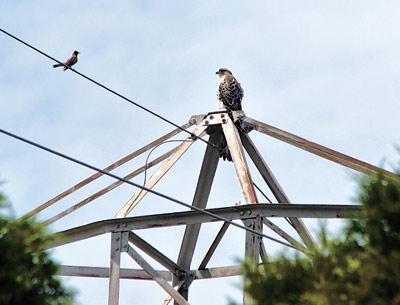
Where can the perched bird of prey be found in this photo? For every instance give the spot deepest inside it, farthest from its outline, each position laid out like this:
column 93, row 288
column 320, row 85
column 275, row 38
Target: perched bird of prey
column 230, row 93
column 69, row 62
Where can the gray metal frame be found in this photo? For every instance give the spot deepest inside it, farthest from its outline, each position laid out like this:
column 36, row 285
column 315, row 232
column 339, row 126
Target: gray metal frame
column 121, row 232
column 206, row 177
column 195, row 217
column 176, row 279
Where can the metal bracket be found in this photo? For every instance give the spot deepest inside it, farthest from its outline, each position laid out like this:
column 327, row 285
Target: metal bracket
column 120, row 227
column 124, row 241
column 187, row 278
column 191, row 277
column 246, row 212
column 196, row 119
column 222, row 117
column 238, row 114
column 252, row 240
column 215, row 119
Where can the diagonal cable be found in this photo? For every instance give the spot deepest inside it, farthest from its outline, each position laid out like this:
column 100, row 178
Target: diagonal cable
column 106, row 88
column 64, row 156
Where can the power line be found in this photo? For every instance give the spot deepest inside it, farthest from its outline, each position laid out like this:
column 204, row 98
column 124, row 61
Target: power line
column 108, row 89
column 137, row 105
column 64, row 156
column 265, row 196
column 148, row 156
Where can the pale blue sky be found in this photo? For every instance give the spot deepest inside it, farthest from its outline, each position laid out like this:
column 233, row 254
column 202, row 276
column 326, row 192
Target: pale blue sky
column 328, row 71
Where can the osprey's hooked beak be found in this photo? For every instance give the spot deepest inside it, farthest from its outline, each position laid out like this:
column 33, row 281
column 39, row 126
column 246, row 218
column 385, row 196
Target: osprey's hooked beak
column 217, row 72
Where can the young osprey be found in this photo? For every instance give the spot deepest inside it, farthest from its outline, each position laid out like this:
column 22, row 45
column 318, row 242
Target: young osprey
column 230, row 93
column 70, row 61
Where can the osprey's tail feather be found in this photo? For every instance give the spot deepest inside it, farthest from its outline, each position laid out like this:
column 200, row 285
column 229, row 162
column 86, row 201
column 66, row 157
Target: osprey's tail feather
column 224, row 152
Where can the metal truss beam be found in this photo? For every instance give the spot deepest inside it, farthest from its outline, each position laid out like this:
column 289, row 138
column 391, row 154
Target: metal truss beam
column 316, row 148
column 283, row 234
column 156, row 276
column 204, row 184
column 275, row 187
column 119, row 244
column 253, row 241
column 109, row 188
column 192, row 217
column 263, row 251
column 154, row 253
column 239, row 161
column 214, row 246
column 164, row 168
column 252, row 247
column 140, row 274
column 110, row 168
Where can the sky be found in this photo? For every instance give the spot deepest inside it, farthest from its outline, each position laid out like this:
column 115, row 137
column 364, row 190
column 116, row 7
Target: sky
column 327, row 71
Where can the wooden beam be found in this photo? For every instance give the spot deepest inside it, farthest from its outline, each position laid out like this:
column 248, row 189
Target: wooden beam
column 154, row 253
column 156, row 276
column 200, row 198
column 109, row 168
column 108, row 188
column 275, row 187
column 237, row 153
column 168, row 163
column 317, row 149
column 192, row 217
column 214, row 246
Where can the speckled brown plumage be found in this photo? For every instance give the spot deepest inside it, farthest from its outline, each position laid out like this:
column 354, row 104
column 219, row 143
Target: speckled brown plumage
column 230, row 92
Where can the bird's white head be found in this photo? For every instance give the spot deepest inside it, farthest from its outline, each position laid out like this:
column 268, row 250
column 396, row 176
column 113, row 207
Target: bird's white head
column 223, row 72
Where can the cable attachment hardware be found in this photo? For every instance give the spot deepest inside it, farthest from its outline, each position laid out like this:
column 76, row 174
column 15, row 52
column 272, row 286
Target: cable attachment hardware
column 193, row 137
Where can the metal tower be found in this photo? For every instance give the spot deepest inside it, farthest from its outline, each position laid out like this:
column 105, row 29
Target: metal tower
column 229, row 131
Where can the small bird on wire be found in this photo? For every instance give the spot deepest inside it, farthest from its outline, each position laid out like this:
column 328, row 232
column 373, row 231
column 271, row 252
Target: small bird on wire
column 69, row 62
column 230, row 93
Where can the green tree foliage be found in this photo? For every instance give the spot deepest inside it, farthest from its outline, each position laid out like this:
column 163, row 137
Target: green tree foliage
column 360, row 267
column 27, row 273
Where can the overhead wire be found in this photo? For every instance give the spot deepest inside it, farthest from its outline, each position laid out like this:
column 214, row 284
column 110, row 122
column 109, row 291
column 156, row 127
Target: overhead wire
column 122, row 97
column 107, row 88
column 266, row 197
column 203, row 211
column 147, row 160
column 259, row 189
